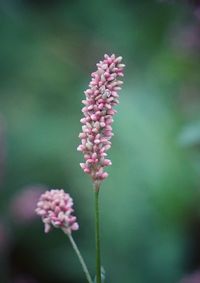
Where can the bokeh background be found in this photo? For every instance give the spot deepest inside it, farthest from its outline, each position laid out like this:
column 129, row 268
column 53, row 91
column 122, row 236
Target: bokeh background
column 150, row 212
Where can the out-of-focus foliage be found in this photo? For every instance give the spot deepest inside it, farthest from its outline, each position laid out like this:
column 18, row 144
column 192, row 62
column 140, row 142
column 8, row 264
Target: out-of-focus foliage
column 150, row 203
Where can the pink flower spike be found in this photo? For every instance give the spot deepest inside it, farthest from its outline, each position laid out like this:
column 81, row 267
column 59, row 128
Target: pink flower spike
column 98, row 111
column 55, row 208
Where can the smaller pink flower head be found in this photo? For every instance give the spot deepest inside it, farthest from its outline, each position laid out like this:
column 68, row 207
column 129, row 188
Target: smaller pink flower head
column 55, row 208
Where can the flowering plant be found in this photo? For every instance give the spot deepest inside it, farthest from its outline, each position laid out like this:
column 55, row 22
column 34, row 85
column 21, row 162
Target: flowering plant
column 55, row 207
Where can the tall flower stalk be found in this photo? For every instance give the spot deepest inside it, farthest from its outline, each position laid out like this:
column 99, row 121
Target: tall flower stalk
column 101, row 97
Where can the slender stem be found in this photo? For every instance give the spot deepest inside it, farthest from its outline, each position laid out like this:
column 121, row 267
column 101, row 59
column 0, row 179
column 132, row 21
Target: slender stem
column 82, row 262
column 97, row 236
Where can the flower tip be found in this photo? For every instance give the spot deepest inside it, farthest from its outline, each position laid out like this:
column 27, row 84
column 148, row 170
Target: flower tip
column 82, row 165
column 104, row 175
column 75, row 227
column 119, row 59
column 47, row 228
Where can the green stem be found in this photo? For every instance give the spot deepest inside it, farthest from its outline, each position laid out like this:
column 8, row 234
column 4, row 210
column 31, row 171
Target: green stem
column 97, row 235
column 82, row 262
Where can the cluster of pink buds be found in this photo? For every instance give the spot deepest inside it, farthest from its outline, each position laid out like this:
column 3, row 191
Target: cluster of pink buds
column 98, row 112
column 55, row 208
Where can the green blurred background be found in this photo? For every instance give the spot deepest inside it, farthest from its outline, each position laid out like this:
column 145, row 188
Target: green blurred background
column 150, row 214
